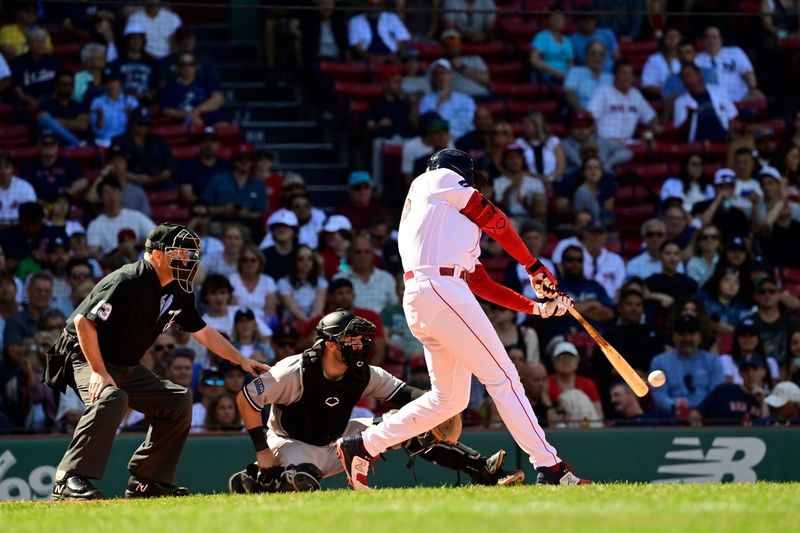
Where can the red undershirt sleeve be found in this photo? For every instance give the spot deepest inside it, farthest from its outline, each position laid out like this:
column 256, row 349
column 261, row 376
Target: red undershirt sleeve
column 482, row 285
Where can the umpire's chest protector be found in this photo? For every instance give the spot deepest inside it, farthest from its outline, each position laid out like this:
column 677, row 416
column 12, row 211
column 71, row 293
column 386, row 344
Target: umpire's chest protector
column 321, row 414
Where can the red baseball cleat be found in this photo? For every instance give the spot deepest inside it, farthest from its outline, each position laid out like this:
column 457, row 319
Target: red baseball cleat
column 355, row 460
column 559, row 474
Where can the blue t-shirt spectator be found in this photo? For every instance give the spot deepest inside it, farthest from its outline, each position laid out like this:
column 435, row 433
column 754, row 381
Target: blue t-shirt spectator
column 115, row 116
column 582, row 81
column 729, row 404
column 193, row 172
column 555, row 54
column 223, row 190
column 583, row 290
column 179, row 96
column 692, row 377
column 674, row 85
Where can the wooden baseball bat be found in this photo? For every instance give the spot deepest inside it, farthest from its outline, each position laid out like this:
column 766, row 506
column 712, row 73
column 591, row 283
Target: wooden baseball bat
column 634, row 381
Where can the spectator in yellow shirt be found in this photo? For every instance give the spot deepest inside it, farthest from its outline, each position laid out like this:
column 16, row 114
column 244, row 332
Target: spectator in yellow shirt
column 12, row 36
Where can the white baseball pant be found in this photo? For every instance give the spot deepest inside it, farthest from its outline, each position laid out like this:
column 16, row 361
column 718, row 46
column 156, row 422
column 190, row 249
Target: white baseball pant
column 459, row 341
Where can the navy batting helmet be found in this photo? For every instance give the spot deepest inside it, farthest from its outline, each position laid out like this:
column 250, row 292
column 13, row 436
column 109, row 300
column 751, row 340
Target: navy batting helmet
column 457, row 161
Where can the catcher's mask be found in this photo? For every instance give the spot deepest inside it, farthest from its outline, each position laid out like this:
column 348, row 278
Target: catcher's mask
column 341, row 325
column 181, row 247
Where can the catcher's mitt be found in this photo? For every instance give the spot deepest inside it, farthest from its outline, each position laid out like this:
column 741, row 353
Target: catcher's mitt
column 448, row 431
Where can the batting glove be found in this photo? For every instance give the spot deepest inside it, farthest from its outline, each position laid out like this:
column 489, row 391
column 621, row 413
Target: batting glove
column 554, row 307
column 542, row 280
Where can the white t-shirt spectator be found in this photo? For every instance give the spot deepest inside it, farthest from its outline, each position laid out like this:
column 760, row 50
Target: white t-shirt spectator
column 530, row 186
column 303, row 295
column 657, row 69
column 549, row 160
column 158, row 30
column 730, row 64
column 390, row 28
column 215, row 263
column 608, row 270
column 308, row 233
column 256, row 299
column 19, row 191
column 673, row 188
column 470, row 16
column 103, row 230
column 617, row 113
column 224, row 324
column 458, row 110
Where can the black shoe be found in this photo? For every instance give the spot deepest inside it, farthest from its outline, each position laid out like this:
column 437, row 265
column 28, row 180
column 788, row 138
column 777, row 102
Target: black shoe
column 75, row 488
column 559, row 474
column 355, row 460
column 244, row 482
column 145, row 488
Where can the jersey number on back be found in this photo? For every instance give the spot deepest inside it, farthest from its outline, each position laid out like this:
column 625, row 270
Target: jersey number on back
column 102, row 310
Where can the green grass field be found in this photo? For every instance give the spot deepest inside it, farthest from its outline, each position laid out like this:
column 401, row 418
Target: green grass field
column 622, row 508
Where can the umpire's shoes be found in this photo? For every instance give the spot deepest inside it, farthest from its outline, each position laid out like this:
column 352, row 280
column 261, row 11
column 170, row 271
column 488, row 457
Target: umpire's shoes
column 75, row 488
column 559, row 474
column 355, row 460
column 145, row 488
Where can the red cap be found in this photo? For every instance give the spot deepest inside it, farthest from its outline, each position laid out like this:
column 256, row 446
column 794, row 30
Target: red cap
column 581, row 119
column 126, row 234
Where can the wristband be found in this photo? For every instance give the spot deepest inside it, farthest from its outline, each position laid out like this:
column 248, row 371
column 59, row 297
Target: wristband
column 259, row 438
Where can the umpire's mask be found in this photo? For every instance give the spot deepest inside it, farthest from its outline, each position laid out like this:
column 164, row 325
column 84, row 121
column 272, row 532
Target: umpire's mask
column 181, row 247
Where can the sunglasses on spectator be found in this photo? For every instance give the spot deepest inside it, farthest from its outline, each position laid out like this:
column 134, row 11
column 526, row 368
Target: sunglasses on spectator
column 361, row 186
column 767, row 291
column 573, row 259
column 501, row 132
column 186, row 63
column 709, row 237
column 80, row 275
column 249, row 259
column 201, row 215
column 211, row 382
column 304, row 257
column 654, row 234
column 162, row 347
column 361, row 252
column 301, row 206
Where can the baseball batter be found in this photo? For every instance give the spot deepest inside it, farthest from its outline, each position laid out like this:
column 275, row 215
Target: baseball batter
column 439, row 241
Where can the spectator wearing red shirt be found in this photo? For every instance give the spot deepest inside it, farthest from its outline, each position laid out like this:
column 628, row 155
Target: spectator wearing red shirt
column 361, row 209
column 341, row 295
column 565, row 363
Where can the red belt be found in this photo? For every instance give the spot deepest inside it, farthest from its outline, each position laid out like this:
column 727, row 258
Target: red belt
column 443, row 271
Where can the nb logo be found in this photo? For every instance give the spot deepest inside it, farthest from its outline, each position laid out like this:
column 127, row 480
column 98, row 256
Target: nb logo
column 58, row 489
column 728, row 459
column 142, row 487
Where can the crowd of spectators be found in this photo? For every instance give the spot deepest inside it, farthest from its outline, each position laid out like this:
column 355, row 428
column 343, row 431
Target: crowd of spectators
column 661, row 188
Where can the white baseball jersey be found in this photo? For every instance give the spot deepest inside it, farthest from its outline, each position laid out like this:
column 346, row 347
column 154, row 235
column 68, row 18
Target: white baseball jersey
column 19, row 191
column 730, row 64
column 443, row 314
column 617, row 113
column 657, row 69
column 432, row 231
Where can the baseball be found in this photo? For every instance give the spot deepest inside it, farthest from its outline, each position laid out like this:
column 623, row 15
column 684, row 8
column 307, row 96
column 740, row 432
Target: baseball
column 656, row 378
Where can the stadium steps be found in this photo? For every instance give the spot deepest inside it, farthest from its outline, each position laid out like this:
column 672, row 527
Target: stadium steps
column 277, row 131
column 266, row 110
column 291, row 153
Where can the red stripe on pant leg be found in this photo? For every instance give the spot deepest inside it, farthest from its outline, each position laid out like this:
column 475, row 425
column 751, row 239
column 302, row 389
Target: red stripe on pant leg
column 533, row 426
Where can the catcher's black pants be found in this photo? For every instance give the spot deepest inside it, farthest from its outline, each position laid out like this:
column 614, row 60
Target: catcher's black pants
column 167, row 406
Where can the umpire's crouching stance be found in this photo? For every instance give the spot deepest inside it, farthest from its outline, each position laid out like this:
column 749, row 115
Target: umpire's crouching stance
column 98, row 354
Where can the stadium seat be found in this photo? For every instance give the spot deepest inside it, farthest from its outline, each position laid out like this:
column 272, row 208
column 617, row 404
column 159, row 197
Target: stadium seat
column 359, row 91
column 162, row 197
column 81, row 155
column 506, row 72
column 350, row 71
column 13, row 136
column 517, row 91
column 517, row 110
column 182, row 153
column 427, row 51
column 175, row 135
column 23, row 153
column 488, row 51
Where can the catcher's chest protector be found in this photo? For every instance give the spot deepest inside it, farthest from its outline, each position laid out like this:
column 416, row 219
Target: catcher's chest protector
column 321, row 414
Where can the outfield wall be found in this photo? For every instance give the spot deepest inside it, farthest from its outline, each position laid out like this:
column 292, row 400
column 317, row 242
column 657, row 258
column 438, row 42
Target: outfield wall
column 27, row 465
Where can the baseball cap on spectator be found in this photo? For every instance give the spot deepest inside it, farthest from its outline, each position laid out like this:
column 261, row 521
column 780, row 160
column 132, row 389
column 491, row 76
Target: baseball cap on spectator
column 752, row 359
column 134, row 28
column 565, row 347
column 437, row 125
column 126, row 234
column 687, row 324
column 104, row 14
column 783, row 393
column 358, row 177
column 209, row 133
column 736, row 243
column 337, row 223
column 426, row 118
column 57, row 242
column 772, row 172
column 762, row 133
column 581, row 119
column 110, row 74
column 760, row 263
column 724, row 176
column 244, row 314
column 595, row 226
column 441, row 62
column 747, row 325
column 241, row 151
column 47, row 134
column 513, row 147
column 450, row 35
column 293, row 179
column 283, row 216
column 764, row 279
column 141, row 115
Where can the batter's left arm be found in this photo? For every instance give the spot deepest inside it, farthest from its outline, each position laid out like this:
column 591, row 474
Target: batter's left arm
column 482, row 285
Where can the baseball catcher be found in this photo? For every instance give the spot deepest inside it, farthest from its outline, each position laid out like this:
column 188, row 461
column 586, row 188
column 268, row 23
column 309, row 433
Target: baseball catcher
column 312, row 396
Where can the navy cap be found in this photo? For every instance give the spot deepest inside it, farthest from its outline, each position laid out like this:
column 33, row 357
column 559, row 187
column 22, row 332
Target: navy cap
column 142, row 115
column 111, row 73
column 746, row 325
column 595, row 226
column 752, row 359
column 736, row 243
column 687, row 324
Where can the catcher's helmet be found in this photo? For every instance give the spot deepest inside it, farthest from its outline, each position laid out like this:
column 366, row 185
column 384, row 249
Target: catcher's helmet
column 457, row 161
column 340, row 323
